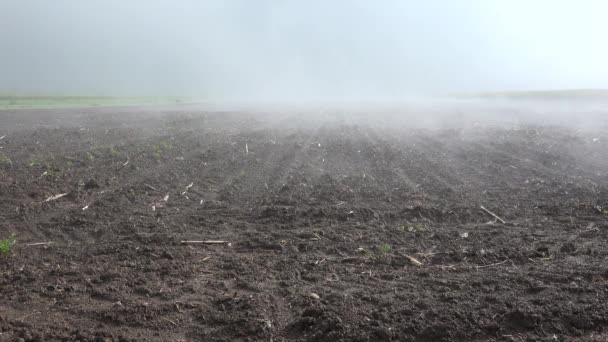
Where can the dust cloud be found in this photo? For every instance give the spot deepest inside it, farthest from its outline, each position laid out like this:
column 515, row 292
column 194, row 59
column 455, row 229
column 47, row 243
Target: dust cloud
column 405, row 62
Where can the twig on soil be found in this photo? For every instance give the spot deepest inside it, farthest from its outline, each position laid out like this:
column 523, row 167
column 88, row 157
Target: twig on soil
column 52, row 198
column 39, row 243
column 443, row 267
column 203, row 242
column 170, row 321
column 2, row 137
column 495, row 264
column 151, row 187
column 491, row 213
column 413, row 260
column 246, row 149
column 188, row 187
column 26, row 316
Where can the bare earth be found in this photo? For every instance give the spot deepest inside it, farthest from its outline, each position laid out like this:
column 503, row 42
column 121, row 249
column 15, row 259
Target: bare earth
column 334, row 229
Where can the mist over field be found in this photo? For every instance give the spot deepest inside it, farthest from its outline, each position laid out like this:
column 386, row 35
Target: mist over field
column 281, row 50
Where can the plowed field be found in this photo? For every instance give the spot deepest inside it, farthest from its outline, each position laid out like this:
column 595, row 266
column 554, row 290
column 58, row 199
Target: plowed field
column 336, row 228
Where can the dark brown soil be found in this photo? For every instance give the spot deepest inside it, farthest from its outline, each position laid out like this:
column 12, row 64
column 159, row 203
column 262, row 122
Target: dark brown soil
column 319, row 219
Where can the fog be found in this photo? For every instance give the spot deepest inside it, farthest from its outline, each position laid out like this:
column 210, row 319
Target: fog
column 300, row 50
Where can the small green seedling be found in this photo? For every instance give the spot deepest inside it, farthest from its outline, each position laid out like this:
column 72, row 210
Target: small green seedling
column 114, row 152
column 5, row 160
column 163, row 146
column 48, row 173
column 34, row 163
column 385, row 248
column 7, row 244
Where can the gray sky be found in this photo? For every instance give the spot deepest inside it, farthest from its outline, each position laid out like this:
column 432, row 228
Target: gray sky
column 288, row 49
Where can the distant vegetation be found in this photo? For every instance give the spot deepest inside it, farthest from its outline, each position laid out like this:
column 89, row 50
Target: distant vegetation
column 24, row 102
column 568, row 94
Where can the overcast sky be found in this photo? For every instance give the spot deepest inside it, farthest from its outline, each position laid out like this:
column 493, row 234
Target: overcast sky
column 288, row 49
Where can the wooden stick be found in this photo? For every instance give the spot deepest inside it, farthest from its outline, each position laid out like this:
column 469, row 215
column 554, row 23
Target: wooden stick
column 170, row 321
column 52, row 198
column 204, row 242
column 491, row 213
column 39, row 243
column 413, row 260
column 188, row 187
column 495, row 264
column 151, row 187
column 26, row 316
column 444, row 266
